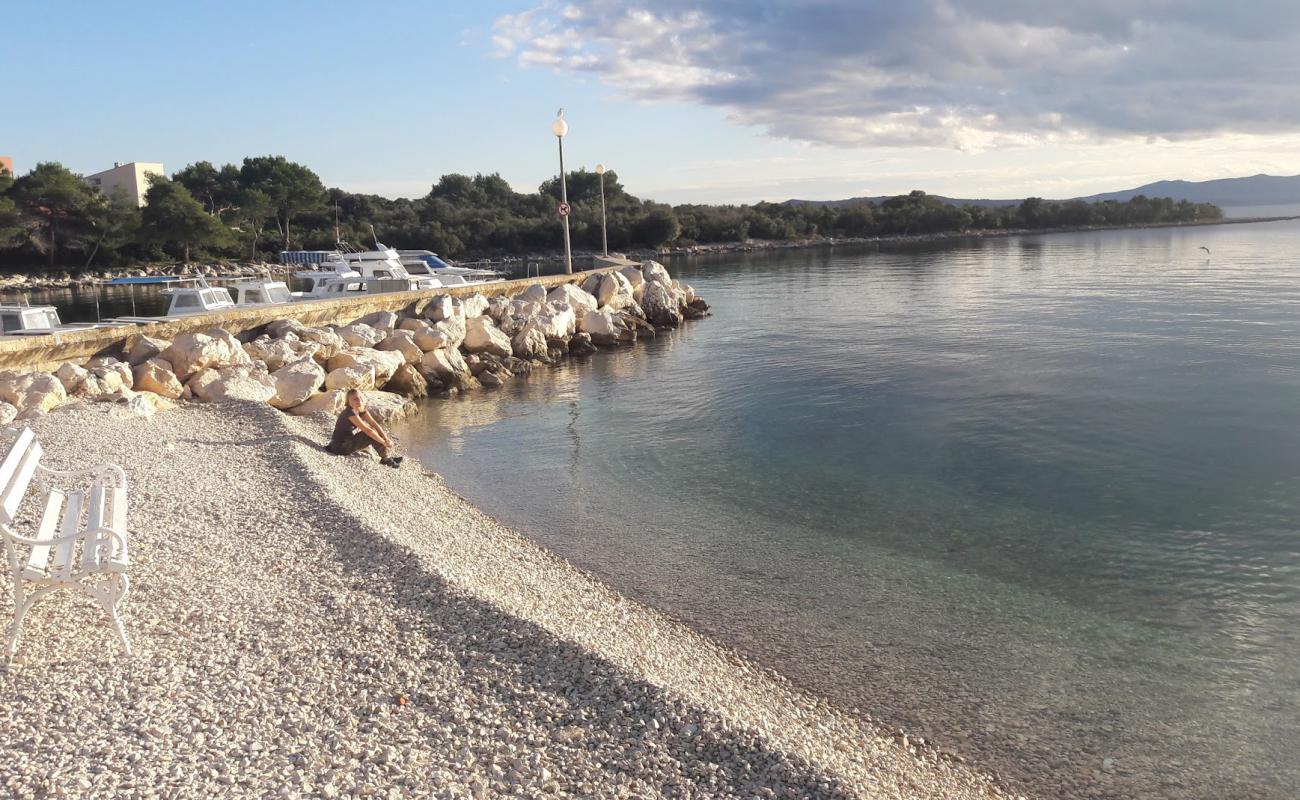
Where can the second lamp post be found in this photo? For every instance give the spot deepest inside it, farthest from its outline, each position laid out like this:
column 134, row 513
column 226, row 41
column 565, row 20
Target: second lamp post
column 559, row 127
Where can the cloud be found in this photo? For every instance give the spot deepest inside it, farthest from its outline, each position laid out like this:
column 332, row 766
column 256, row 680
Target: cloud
column 965, row 74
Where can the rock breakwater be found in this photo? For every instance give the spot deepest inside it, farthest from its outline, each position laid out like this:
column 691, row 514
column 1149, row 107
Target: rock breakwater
column 439, row 346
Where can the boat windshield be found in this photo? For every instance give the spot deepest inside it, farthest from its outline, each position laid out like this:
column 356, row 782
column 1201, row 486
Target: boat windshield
column 277, row 294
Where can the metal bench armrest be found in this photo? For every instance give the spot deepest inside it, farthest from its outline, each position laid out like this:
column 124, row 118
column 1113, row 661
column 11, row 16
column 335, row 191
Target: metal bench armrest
column 118, row 537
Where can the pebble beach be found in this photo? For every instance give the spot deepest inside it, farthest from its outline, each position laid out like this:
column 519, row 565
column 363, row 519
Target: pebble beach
column 307, row 625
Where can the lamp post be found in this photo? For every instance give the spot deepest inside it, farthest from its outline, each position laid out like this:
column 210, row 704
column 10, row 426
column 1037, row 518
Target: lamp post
column 604, row 235
column 559, row 127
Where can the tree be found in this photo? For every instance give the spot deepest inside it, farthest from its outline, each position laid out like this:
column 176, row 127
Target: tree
column 173, row 217
column 218, row 190
column 55, row 206
column 292, row 188
column 10, row 220
column 658, row 227
column 255, row 208
column 116, row 224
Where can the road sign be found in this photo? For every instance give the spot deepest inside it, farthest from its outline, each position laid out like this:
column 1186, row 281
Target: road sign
column 562, row 209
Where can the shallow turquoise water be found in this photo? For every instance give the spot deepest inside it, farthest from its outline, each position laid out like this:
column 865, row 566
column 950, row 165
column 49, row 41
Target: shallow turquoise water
column 1034, row 498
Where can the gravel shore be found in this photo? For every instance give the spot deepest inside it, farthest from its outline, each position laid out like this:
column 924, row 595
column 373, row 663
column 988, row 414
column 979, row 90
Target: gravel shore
column 313, row 626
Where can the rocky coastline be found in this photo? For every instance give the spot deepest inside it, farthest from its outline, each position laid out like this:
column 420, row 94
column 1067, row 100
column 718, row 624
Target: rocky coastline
column 313, row 626
column 443, row 346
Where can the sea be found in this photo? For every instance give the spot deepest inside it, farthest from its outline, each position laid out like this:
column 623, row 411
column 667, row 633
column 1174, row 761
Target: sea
column 1033, row 498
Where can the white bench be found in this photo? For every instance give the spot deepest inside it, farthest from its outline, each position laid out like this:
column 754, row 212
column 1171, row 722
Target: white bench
column 79, row 540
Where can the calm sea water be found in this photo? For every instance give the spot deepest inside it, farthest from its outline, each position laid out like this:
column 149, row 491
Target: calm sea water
column 1035, row 498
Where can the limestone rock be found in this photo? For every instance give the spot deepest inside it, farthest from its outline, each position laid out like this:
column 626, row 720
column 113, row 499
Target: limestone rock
column 476, row 305
column 654, row 272
column 591, row 284
column 385, row 363
column 408, row 382
column 145, row 348
column 581, row 302
column 445, row 363
column 32, row 391
column 433, row 338
column 498, row 307
column 359, row 334
column 614, row 292
column 330, row 402
column 581, row 345
column 661, row 305
column 559, row 324
column 602, row 326
column 281, row 327
column 7, row 413
column 330, row 342
column 191, row 353
column 530, row 343
column 72, row 377
column 156, row 376
column 384, row 320
column 481, row 336
column 413, row 324
column 402, row 342
column 275, row 353
column 232, row 383
column 296, row 382
column 535, row 293
column 442, row 307
column 357, row 376
column 388, row 407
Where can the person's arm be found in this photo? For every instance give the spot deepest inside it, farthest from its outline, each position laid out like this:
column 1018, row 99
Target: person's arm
column 374, row 423
column 359, row 422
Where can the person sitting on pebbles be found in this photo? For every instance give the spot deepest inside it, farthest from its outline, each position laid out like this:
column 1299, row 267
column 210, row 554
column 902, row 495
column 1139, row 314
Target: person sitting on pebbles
column 357, row 429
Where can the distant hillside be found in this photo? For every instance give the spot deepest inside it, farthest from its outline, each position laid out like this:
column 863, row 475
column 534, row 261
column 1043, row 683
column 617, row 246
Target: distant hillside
column 1257, row 190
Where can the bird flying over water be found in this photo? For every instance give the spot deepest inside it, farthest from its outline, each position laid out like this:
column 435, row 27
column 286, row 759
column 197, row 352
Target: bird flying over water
column 1206, row 249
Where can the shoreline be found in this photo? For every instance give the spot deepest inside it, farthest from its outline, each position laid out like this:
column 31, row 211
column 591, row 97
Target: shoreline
column 520, row 672
column 63, row 278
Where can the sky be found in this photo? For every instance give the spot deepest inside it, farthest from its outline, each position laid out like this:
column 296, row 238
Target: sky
column 707, row 101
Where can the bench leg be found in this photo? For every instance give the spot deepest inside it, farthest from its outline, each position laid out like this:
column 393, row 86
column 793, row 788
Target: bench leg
column 121, row 585
column 21, row 606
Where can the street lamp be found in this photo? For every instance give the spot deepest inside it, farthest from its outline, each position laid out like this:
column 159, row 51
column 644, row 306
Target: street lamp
column 559, row 127
column 604, row 236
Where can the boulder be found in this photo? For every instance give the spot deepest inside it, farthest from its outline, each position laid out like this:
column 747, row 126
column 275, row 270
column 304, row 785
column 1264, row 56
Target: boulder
column 72, row 377
column 445, row 363
column 602, row 326
column 281, row 327
column 191, row 353
column 530, row 343
column 591, row 283
column 402, row 342
column 661, row 305
column 32, row 391
column 357, row 376
column 385, row 363
column 634, row 276
column 498, row 307
column 232, row 383
column 535, row 293
column 454, row 330
column 442, row 307
column 296, row 382
column 413, row 324
column 559, row 324
column 156, row 376
column 106, row 380
column 275, row 353
column 384, row 320
column 476, row 305
column 328, row 340
column 433, row 338
column 489, row 379
column 581, row 345
column 408, row 382
column 481, row 336
column 330, row 402
column 145, row 348
column 7, row 413
column 388, row 407
column 359, row 334
column 581, row 302
column 654, row 272
column 614, row 292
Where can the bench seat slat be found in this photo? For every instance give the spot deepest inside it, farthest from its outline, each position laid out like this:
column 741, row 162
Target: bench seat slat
column 71, row 524
column 94, row 519
column 117, row 521
column 40, row 554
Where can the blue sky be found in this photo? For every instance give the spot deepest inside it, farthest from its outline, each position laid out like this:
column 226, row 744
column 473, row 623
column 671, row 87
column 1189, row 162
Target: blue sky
column 732, row 100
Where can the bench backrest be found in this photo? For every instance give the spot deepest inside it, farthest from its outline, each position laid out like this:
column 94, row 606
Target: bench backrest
column 16, row 471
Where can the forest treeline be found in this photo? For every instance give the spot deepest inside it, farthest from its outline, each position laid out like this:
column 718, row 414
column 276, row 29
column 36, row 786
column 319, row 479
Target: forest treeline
column 51, row 217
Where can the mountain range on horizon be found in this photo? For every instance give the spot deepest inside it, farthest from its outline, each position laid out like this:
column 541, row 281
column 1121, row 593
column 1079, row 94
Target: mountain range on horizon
column 1255, row 190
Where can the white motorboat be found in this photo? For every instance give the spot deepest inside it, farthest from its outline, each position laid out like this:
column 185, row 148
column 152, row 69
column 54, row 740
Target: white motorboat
column 260, row 292
column 27, row 320
column 383, row 271
column 336, row 279
column 426, row 262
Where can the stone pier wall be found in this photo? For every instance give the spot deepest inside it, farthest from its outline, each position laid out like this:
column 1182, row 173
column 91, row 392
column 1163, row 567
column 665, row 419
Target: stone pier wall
column 48, row 352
